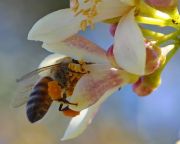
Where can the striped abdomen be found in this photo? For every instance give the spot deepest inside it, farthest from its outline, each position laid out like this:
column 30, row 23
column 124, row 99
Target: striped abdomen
column 39, row 100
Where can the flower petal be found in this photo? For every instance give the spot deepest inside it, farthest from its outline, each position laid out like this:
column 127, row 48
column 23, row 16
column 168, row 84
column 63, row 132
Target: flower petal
column 79, row 123
column 78, row 47
column 55, row 26
column 95, row 85
column 129, row 49
column 108, row 10
column 62, row 24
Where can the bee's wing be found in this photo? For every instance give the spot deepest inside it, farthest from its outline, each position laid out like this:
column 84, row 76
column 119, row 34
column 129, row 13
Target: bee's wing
column 23, row 90
column 27, row 82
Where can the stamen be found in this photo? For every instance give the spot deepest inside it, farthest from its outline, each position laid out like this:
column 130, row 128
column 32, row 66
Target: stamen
column 89, row 12
column 74, row 5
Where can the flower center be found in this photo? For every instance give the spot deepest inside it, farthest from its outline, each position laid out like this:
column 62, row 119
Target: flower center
column 90, row 12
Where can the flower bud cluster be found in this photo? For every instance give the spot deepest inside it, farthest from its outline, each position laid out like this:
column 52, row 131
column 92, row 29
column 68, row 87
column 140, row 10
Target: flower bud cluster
column 155, row 58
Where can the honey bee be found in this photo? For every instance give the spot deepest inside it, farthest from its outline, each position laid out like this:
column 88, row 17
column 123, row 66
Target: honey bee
column 39, row 88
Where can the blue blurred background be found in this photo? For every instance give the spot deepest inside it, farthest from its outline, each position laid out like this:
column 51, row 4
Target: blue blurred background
column 124, row 118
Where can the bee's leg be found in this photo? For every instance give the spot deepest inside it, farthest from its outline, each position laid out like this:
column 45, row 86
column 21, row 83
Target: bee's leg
column 64, row 96
column 61, row 108
column 64, row 100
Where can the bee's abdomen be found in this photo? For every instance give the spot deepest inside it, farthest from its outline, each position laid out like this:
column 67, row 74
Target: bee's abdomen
column 39, row 100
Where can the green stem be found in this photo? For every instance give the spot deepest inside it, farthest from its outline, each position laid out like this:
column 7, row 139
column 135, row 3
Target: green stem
column 155, row 35
column 151, row 21
column 165, row 38
column 174, row 23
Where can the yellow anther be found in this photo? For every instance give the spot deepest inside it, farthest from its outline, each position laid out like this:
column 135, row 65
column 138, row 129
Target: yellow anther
column 74, row 5
column 83, row 25
column 79, row 12
column 89, row 12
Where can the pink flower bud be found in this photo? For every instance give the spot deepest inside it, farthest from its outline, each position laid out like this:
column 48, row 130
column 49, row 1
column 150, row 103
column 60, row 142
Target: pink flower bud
column 153, row 57
column 146, row 85
column 111, row 58
column 112, row 29
column 162, row 4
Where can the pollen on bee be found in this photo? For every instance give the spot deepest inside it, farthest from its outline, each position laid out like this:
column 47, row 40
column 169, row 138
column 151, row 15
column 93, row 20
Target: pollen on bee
column 70, row 113
column 54, row 90
column 79, row 68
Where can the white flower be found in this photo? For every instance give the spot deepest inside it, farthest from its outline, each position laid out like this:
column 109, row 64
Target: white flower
column 129, row 49
column 58, row 31
column 92, row 88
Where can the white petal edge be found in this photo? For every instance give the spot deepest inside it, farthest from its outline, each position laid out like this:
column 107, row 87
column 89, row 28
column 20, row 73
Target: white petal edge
column 79, row 123
column 78, row 48
column 129, row 49
column 59, row 25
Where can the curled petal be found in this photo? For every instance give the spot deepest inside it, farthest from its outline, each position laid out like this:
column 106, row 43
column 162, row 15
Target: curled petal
column 78, row 47
column 129, row 49
column 97, row 84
